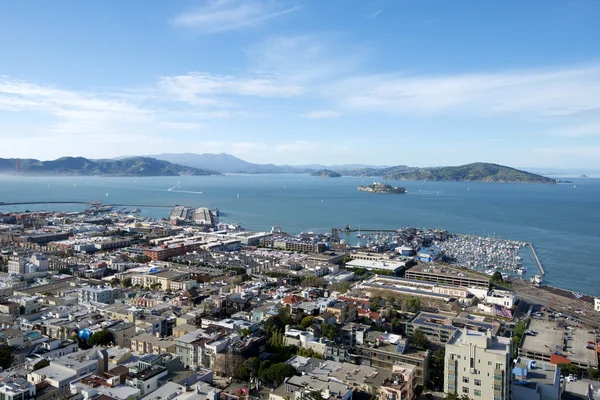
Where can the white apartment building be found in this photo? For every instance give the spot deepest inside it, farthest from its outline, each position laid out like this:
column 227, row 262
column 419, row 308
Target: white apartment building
column 89, row 295
column 478, row 364
column 16, row 389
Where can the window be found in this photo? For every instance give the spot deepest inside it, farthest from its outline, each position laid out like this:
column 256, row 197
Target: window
column 489, row 363
column 472, row 363
column 465, row 390
column 465, row 379
column 477, row 392
column 477, row 382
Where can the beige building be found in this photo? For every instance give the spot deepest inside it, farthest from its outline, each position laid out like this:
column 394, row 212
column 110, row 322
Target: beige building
column 402, row 384
column 150, row 344
column 477, row 364
column 167, row 280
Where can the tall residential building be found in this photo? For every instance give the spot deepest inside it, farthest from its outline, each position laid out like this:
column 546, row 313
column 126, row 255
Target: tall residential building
column 478, row 364
column 90, row 294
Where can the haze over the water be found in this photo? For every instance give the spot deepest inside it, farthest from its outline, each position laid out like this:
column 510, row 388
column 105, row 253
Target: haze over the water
column 416, row 82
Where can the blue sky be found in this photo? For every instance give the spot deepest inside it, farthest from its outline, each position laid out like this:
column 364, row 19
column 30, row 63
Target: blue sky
column 417, row 82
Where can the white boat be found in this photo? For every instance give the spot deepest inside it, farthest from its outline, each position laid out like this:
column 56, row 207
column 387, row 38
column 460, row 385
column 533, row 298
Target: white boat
column 536, row 280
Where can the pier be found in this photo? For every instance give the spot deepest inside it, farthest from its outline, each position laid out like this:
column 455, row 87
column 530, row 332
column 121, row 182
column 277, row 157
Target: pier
column 90, row 203
column 537, row 260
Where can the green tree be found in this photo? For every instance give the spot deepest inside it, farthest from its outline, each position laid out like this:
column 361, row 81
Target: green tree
column 312, row 281
column 314, row 395
column 6, row 356
column 114, row 282
column 341, row 287
column 307, row 321
column 285, row 316
column 518, row 333
column 276, row 373
column 41, row 364
column 454, row 396
column 593, row 373
column 126, row 283
column 414, row 304
column 497, row 277
column 330, row 331
column 245, row 332
column 101, row 338
column 247, row 370
column 419, row 339
column 273, row 324
column 436, row 368
column 568, row 369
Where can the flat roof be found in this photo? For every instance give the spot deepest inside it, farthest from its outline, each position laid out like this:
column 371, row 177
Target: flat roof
column 544, row 373
column 384, row 265
column 415, row 292
column 546, row 340
column 448, row 271
column 571, row 343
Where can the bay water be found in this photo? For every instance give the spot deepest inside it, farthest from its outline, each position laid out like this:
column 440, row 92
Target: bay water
column 562, row 221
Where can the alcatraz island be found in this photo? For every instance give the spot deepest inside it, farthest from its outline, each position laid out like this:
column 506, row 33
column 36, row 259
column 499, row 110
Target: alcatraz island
column 378, row 187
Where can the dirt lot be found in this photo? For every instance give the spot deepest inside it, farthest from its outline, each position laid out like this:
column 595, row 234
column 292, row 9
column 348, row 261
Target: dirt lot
column 559, row 300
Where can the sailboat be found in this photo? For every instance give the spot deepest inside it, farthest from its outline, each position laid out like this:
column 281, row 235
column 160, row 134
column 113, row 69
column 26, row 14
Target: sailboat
column 238, row 195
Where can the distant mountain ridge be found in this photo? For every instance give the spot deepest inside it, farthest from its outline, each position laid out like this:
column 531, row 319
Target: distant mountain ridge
column 132, row 166
column 213, row 164
column 228, row 164
column 475, row 172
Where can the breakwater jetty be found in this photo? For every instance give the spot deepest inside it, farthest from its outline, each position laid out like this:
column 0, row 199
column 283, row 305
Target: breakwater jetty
column 536, row 258
column 91, row 203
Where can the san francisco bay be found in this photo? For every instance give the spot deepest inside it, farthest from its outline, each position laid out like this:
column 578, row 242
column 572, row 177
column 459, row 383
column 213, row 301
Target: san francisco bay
column 562, row 221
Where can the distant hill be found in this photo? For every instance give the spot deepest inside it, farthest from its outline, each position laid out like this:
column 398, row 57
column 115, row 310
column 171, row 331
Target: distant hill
column 133, row 166
column 224, row 163
column 205, row 164
column 228, row 164
column 475, row 172
column 326, row 173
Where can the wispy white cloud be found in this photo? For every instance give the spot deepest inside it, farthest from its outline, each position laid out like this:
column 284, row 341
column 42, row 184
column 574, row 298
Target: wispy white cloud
column 320, row 114
column 307, row 58
column 576, row 131
column 227, row 15
column 592, row 152
column 205, row 89
column 557, row 92
column 374, row 14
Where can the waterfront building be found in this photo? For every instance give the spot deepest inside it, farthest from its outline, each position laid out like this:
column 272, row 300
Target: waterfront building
column 416, row 288
column 392, row 266
column 447, row 275
column 477, row 364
